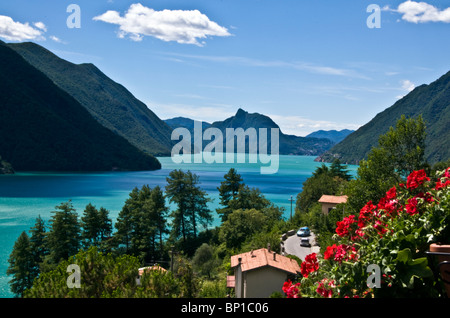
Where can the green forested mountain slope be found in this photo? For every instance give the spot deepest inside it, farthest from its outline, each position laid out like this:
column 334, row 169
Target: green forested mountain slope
column 109, row 102
column 431, row 101
column 42, row 128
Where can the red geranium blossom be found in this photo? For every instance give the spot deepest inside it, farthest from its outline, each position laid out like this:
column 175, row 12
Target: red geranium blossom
column 416, row 178
column 344, row 227
column 345, row 253
column 291, row 290
column 444, row 181
column 325, row 288
column 329, row 253
column 309, row 265
column 411, row 206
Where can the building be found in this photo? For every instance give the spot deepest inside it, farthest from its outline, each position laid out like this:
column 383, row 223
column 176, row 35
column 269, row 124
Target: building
column 260, row 273
column 330, row 201
column 148, row 269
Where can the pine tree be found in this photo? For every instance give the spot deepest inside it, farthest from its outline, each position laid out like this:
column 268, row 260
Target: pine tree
column 96, row 224
column 158, row 215
column 228, row 189
column 37, row 245
column 21, row 265
column 63, row 239
column 183, row 189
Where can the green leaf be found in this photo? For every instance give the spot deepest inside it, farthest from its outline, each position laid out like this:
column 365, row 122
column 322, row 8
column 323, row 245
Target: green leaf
column 404, row 255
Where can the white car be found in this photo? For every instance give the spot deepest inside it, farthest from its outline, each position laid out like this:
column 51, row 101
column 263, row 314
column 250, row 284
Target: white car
column 304, row 242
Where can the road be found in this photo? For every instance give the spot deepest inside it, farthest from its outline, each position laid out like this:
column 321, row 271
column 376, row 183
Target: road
column 292, row 246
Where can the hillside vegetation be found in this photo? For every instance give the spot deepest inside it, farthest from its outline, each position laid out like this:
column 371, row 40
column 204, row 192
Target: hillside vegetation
column 42, row 128
column 108, row 102
column 431, row 101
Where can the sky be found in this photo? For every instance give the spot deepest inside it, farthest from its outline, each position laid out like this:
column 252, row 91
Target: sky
column 309, row 65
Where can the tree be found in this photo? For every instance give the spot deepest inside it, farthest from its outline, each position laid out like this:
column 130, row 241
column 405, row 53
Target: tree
column 21, row 265
column 399, row 152
column 404, row 145
column 339, row 170
column 141, row 222
column 38, row 247
column 241, row 225
column 183, row 190
column 205, row 260
column 101, row 276
column 63, row 239
column 248, row 198
column 96, row 226
column 159, row 210
column 322, row 181
column 228, row 189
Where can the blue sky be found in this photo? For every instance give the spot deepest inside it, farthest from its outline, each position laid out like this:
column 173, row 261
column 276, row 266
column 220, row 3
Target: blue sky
column 309, row 65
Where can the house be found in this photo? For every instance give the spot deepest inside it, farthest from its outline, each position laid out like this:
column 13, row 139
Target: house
column 146, row 270
column 330, row 201
column 260, row 273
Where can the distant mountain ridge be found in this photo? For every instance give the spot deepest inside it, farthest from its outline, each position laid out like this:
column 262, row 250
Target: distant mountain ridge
column 109, row 103
column 335, row 136
column 43, row 128
column 288, row 144
column 431, row 101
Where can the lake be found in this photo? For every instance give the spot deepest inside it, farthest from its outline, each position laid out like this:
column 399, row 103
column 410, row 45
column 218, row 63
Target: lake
column 25, row 196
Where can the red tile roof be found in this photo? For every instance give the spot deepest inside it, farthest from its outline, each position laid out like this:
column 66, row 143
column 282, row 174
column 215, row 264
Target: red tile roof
column 231, row 281
column 333, row 199
column 151, row 268
column 262, row 257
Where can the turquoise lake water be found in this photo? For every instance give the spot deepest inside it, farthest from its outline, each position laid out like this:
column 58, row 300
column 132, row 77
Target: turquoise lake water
column 25, row 196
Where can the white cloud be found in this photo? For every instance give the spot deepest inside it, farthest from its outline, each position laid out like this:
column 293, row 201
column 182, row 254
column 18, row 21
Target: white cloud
column 300, row 126
column 181, row 26
column 407, row 85
column 41, row 26
column 56, row 39
column 296, row 65
column 421, row 12
column 209, row 114
column 11, row 30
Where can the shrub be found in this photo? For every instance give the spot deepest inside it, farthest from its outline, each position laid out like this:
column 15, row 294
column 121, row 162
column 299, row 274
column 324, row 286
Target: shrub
column 391, row 235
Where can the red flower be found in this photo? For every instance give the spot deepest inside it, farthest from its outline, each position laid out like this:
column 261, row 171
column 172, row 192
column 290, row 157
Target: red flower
column 441, row 185
column 344, row 227
column 324, row 289
column 330, row 251
column 447, row 173
column 291, row 290
column 391, row 194
column 366, row 214
column 411, row 206
column 427, row 197
column 345, row 253
column 309, row 265
column 416, row 178
column 444, row 181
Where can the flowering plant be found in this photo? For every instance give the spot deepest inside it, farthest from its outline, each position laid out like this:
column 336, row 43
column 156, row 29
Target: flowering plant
column 392, row 235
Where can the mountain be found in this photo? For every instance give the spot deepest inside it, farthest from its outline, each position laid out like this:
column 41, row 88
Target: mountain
column 183, row 122
column 43, row 128
column 108, row 102
column 432, row 101
column 288, row 144
column 334, row 135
